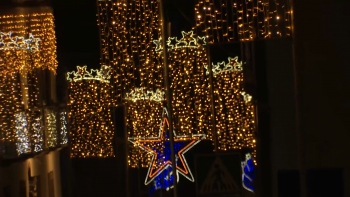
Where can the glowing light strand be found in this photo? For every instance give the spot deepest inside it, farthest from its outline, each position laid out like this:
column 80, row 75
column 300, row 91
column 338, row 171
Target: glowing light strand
column 51, row 129
column 22, row 134
column 140, row 94
column 64, row 130
column 7, row 42
column 102, row 75
column 187, row 41
column 232, row 65
column 37, row 136
column 186, row 172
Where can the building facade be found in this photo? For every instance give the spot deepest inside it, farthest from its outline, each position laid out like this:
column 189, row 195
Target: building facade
column 33, row 126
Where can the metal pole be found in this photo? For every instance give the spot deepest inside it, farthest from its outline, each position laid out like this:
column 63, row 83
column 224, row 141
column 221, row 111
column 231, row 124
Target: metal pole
column 211, row 90
column 299, row 132
column 167, row 90
column 126, row 149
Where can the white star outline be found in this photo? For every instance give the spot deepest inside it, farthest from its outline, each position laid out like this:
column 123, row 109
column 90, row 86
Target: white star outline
column 24, row 43
column 102, row 75
column 189, row 176
column 217, row 69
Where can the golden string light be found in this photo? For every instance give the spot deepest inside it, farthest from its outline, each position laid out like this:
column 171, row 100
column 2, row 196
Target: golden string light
column 143, row 120
column 52, row 135
column 234, row 109
column 27, row 31
column 188, row 76
column 22, row 134
column 232, row 20
column 10, row 104
column 64, row 129
column 27, row 46
column 37, row 134
column 91, row 126
column 131, row 47
column 127, row 31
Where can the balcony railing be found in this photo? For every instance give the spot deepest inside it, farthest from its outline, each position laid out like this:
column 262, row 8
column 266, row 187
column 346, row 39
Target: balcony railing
column 33, row 131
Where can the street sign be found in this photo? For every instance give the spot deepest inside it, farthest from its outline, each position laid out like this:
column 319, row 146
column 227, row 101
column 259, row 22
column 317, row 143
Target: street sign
column 218, row 175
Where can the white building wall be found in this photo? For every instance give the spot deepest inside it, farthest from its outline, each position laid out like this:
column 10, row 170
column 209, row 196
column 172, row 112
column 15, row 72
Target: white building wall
column 40, row 165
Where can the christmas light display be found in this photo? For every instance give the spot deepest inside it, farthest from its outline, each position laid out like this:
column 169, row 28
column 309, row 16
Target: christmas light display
column 165, row 179
column 187, row 41
column 82, row 74
column 64, row 129
column 157, row 146
column 51, row 132
column 234, row 109
column 131, row 46
column 143, row 119
column 190, row 102
column 18, row 54
column 139, row 94
column 7, row 42
column 22, row 134
column 10, row 104
column 91, row 126
column 37, row 137
column 220, row 67
column 248, row 173
column 127, row 30
column 232, row 20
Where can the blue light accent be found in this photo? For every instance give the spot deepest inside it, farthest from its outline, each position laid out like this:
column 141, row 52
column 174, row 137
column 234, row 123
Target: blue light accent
column 162, row 181
column 248, row 175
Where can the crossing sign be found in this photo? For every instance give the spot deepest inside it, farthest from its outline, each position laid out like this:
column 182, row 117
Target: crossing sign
column 218, row 175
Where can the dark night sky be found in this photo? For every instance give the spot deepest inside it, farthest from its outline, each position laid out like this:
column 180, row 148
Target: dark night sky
column 78, row 37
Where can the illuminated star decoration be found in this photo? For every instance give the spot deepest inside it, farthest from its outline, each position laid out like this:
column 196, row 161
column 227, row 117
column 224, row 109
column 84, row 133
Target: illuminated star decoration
column 158, row 44
column 160, row 161
column 102, row 75
column 8, row 42
column 187, row 41
column 248, row 173
column 232, row 65
column 141, row 94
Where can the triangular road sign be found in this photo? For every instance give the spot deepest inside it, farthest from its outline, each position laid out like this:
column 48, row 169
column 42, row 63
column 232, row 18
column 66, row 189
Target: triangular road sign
column 219, row 180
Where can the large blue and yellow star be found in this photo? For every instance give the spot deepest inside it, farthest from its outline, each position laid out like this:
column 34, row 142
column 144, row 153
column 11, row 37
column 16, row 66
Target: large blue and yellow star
column 159, row 147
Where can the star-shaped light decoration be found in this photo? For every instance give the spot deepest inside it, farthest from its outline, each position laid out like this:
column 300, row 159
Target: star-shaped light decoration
column 33, row 43
column 160, row 156
column 187, row 39
column 172, row 41
column 158, row 44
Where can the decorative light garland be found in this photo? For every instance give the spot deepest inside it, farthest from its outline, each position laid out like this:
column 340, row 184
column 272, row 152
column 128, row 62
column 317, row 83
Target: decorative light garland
column 37, row 136
column 52, row 136
column 158, row 165
column 230, row 20
column 232, row 65
column 22, row 134
column 24, row 55
column 127, row 29
column 187, row 41
column 234, row 111
column 140, row 94
column 190, row 95
column 7, row 42
column 64, row 130
column 247, row 97
column 248, row 173
column 143, row 118
column 102, row 75
column 91, row 126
